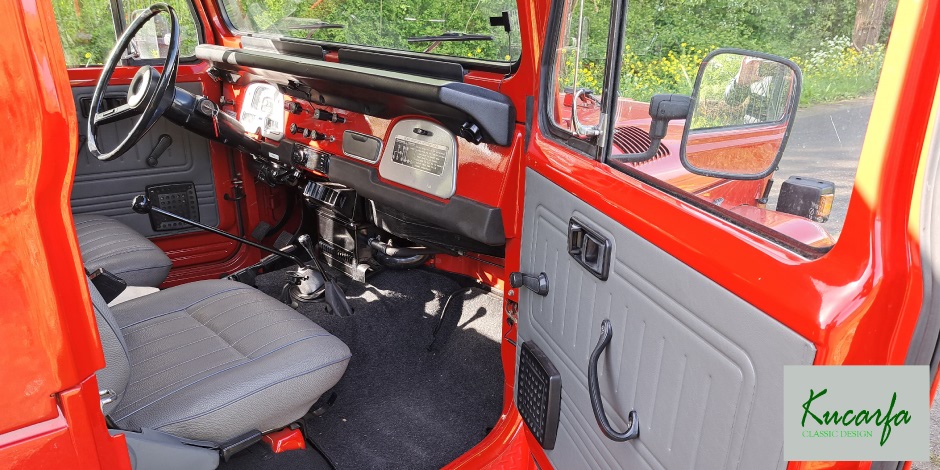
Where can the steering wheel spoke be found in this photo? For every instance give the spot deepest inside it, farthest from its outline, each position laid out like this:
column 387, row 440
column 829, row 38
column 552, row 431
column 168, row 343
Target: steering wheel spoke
column 119, row 113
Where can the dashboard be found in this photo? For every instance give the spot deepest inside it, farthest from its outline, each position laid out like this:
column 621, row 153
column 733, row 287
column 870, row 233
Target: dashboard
column 432, row 154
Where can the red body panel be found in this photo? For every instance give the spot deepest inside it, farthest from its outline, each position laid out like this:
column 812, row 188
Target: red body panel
column 50, row 417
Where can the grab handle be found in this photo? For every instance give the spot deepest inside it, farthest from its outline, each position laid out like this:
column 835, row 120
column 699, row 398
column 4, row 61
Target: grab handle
column 594, row 389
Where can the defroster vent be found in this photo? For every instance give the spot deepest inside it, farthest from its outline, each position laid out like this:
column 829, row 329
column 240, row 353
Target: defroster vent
column 632, row 139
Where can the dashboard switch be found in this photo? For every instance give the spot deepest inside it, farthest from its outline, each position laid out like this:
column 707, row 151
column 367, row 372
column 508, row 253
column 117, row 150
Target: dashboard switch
column 295, row 129
column 471, row 132
column 293, row 107
column 314, row 135
column 328, row 116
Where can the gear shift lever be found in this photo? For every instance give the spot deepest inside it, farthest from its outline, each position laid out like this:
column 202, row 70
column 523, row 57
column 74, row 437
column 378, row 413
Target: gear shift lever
column 335, row 297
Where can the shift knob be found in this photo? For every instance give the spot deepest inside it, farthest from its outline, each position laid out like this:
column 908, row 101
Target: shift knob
column 141, row 204
column 307, row 243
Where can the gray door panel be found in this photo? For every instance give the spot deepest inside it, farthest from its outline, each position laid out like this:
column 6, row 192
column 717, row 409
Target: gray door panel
column 107, row 188
column 702, row 368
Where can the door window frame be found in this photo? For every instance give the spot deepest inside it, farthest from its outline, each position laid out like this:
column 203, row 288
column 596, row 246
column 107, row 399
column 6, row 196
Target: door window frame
column 599, row 149
column 596, row 147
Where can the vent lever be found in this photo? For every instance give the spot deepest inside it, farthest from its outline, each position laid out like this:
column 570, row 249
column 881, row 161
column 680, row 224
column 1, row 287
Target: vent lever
column 163, row 143
column 537, row 284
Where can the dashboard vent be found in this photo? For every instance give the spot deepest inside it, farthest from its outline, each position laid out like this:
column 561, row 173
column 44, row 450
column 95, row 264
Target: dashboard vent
column 632, row 139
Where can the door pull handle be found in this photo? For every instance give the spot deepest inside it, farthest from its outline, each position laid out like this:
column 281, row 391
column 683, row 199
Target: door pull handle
column 589, row 248
column 597, row 404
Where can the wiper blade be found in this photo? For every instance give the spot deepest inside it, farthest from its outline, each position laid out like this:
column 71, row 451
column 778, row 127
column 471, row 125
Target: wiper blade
column 450, row 36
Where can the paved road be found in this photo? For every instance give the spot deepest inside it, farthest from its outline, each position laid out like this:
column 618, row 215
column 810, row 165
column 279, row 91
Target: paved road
column 825, row 143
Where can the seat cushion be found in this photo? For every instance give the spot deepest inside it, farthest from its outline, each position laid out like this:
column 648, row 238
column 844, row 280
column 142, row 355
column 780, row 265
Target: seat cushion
column 212, row 360
column 109, row 244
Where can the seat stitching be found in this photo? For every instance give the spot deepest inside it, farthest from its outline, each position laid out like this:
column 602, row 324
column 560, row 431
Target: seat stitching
column 241, row 363
column 245, row 360
column 164, row 337
column 111, row 238
column 254, row 392
column 128, row 333
column 91, row 221
column 186, row 307
column 172, row 350
column 134, row 270
column 190, row 316
column 264, row 327
column 96, row 253
column 109, row 230
column 173, row 366
column 243, row 304
column 140, row 249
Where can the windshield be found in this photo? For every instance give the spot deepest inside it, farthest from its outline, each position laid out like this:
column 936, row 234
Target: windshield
column 474, row 29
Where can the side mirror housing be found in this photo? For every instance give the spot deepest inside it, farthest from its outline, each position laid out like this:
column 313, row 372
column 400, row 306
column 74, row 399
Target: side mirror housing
column 742, row 109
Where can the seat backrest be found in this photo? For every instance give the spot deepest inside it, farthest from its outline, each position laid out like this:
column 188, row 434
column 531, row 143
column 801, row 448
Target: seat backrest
column 116, row 374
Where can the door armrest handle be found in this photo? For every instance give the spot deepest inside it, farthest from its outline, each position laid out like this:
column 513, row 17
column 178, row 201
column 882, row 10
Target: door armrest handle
column 594, row 389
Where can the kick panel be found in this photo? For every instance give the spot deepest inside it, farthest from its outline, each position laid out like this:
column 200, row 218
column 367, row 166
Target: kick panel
column 702, row 368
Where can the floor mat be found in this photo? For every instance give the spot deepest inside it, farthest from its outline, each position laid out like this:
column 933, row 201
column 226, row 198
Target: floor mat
column 401, row 405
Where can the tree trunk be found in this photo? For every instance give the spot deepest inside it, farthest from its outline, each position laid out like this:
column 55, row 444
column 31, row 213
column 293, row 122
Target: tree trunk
column 869, row 16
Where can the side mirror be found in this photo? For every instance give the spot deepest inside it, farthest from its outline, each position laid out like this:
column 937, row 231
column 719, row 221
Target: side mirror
column 743, row 106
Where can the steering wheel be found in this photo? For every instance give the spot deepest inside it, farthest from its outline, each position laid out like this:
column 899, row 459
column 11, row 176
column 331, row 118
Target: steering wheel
column 149, row 94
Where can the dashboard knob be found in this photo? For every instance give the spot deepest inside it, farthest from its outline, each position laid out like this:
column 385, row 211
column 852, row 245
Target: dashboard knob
column 293, row 107
column 314, row 135
column 295, row 129
column 328, row 116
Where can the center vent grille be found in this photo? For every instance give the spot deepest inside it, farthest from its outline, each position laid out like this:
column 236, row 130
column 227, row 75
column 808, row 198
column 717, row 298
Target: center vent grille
column 632, row 139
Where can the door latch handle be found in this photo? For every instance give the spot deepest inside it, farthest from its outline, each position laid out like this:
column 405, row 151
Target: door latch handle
column 589, row 248
column 537, row 284
column 594, row 389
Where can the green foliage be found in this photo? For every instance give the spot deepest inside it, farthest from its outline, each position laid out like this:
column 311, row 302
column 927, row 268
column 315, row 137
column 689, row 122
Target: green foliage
column 86, row 28
column 385, row 23
column 664, row 45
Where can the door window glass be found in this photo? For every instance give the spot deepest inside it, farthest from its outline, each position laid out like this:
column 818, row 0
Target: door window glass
column 836, row 50
column 580, row 64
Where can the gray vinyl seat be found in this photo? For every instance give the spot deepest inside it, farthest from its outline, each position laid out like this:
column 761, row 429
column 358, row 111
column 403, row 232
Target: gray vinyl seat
column 212, row 360
column 109, row 244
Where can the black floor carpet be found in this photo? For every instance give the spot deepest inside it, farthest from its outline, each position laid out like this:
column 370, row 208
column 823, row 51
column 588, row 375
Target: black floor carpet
column 399, row 404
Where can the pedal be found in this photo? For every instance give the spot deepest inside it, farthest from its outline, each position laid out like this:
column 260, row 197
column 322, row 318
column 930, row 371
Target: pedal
column 261, row 230
column 283, row 240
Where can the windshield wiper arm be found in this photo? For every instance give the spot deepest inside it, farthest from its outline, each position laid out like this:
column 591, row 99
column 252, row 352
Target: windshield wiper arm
column 451, row 36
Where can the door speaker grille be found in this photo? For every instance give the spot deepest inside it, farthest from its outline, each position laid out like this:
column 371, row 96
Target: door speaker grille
column 538, row 394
